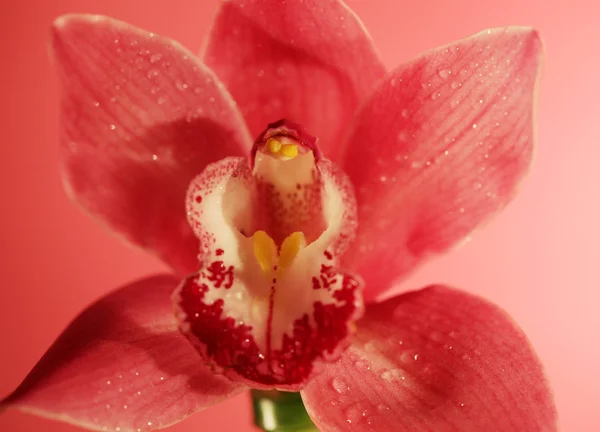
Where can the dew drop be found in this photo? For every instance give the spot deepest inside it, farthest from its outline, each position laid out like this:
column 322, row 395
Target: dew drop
column 402, row 136
column 405, row 113
column 396, row 81
column 443, row 73
column 363, row 364
column 181, row 86
column 392, row 375
column 370, row 347
column 436, row 336
column 383, row 407
column 405, row 357
column 340, row 386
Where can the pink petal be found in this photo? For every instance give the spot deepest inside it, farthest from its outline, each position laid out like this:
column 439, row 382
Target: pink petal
column 434, row 360
column 439, row 147
column 122, row 365
column 140, row 117
column 309, row 61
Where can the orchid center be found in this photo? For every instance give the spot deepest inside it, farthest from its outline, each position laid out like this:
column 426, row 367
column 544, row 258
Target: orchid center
column 270, row 301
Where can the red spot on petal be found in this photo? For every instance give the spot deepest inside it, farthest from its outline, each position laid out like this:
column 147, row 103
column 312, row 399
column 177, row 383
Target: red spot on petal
column 316, row 284
column 220, row 274
column 328, row 276
column 328, row 255
column 219, row 252
column 198, row 199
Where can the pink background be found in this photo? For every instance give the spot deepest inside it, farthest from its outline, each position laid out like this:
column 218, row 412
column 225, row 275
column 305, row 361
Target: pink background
column 536, row 259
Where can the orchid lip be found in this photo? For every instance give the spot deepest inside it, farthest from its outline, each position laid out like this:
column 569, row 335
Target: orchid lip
column 270, row 301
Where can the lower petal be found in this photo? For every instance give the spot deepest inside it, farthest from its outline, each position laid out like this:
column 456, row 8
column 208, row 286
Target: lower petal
column 434, row 360
column 122, row 365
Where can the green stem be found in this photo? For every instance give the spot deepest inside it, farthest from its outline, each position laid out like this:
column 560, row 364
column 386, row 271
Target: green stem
column 276, row 411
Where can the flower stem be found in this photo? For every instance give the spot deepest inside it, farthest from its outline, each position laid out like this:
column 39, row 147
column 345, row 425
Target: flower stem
column 277, row 411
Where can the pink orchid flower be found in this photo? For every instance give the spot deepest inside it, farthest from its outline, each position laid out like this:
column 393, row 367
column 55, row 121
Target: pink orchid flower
column 191, row 159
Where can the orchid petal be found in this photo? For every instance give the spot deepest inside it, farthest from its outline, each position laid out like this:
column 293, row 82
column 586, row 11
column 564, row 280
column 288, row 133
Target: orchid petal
column 434, row 360
column 440, row 146
column 123, row 365
column 311, row 61
column 140, row 117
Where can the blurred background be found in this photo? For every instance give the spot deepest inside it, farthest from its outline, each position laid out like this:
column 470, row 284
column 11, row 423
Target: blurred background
column 538, row 259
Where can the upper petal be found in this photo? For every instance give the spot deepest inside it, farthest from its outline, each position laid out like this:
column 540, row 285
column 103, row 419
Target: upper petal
column 310, row 61
column 140, row 117
column 434, row 360
column 441, row 145
column 122, row 365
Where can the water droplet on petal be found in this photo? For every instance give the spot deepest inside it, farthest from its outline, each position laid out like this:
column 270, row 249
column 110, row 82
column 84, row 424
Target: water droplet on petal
column 402, row 136
column 363, row 364
column 340, row 386
column 382, row 407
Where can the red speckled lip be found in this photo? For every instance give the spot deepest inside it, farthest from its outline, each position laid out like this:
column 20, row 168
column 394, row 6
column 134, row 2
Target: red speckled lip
column 231, row 345
column 269, row 327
